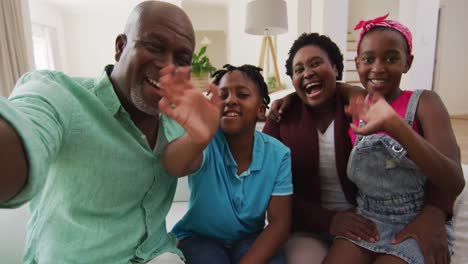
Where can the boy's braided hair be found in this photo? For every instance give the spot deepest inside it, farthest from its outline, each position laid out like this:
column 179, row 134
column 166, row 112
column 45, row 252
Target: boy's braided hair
column 252, row 72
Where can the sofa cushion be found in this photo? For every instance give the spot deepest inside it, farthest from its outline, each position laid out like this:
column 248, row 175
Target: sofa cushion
column 460, row 221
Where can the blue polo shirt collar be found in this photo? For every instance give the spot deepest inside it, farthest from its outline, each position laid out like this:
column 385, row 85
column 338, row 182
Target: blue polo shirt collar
column 257, row 157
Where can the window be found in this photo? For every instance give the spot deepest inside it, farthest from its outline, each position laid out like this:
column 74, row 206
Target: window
column 44, row 43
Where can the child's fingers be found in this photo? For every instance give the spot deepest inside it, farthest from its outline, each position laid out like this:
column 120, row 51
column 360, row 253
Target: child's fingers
column 359, row 130
column 361, row 106
column 368, row 99
column 376, row 97
column 347, row 110
column 355, row 107
column 367, row 129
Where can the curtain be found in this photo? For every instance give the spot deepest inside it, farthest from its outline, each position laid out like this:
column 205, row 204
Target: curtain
column 15, row 43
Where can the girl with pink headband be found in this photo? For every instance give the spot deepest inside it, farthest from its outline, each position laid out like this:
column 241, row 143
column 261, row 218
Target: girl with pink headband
column 403, row 142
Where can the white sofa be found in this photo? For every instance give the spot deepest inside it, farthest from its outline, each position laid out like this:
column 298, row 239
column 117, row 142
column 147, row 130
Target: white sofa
column 461, row 224
column 13, row 227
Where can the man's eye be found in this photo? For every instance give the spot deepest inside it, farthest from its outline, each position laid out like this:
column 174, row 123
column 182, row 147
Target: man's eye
column 152, row 47
column 184, row 61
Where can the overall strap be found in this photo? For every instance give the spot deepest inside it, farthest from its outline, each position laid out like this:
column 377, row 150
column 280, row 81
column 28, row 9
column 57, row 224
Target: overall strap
column 412, row 105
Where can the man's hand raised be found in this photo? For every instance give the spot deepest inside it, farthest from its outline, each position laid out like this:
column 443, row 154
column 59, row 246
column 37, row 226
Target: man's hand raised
column 183, row 102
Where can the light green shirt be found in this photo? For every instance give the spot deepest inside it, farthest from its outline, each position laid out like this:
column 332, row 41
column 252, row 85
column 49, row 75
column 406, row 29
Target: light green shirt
column 97, row 191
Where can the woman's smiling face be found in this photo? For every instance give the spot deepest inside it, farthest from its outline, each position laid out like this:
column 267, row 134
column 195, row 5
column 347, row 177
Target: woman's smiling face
column 314, row 76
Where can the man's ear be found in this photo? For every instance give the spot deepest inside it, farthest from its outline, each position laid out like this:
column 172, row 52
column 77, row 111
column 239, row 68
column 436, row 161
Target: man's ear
column 409, row 62
column 261, row 113
column 120, row 43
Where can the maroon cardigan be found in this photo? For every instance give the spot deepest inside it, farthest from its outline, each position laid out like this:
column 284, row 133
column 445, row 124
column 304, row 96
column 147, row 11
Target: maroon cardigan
column 297, row 130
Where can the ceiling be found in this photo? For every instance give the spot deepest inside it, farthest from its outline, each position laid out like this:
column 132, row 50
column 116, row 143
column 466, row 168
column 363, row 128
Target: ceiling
column 90, row 4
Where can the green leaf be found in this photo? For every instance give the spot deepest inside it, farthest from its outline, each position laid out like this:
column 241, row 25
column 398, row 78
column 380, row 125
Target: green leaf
column 194, row 58
column 202, row 51
column 201, row 63
column 204, row 61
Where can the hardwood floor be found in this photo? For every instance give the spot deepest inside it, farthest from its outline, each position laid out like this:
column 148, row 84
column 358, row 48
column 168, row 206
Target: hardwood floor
column 460, row 127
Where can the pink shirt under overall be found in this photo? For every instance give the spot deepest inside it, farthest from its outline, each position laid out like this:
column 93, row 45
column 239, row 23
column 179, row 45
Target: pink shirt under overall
column 399, row 105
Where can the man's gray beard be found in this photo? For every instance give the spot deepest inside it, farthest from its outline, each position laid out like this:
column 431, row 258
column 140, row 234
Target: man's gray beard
column 139, row 103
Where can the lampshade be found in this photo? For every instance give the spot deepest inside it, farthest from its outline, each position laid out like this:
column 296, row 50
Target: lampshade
column 266, row 17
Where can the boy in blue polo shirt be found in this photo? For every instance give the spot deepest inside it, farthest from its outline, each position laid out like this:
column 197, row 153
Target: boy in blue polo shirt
column 237, row 174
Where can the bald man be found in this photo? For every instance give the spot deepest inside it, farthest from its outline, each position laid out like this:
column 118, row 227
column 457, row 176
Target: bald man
column 86, row 153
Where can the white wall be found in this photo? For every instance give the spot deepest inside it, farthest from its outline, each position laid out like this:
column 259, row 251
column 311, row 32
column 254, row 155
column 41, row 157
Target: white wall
column 316, row 20
column 47, row 14
column 368, row 9
column 304, row 13
column 206, row 17
column 285, row 41
column 244, row 48
column 407, row 16
column 424, row 19
column 331, row 18
column 335, row 21
column 90, row 41
column 216, row 50
column 452, row 63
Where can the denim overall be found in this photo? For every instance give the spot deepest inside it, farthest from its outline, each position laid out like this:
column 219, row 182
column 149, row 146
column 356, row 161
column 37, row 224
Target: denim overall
column 391, row 189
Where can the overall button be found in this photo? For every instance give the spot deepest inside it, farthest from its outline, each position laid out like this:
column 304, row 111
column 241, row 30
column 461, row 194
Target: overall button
column 397, row 149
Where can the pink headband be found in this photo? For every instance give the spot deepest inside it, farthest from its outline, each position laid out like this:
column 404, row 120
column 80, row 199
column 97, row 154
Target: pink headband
column 381, row 22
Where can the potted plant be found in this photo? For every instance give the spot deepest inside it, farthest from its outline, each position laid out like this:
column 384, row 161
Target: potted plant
column 201, row 69
column 272, row 84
